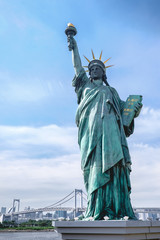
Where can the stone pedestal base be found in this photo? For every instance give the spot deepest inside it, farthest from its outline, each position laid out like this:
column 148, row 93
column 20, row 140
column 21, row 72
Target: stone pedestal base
column 108, row 230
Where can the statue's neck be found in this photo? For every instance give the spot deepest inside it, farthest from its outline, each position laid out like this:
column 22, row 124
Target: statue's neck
column 98, row 82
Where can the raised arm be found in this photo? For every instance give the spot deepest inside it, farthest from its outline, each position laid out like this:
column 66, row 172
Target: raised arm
column 72, row 45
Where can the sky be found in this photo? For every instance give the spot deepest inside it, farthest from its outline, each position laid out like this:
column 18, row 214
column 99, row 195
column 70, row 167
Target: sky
column 39, row 153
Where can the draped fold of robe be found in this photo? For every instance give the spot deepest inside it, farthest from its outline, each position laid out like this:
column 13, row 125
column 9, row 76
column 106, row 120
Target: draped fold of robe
column 105, row 158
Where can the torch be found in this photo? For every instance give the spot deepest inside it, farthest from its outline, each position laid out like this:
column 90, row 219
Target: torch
column 70, row 32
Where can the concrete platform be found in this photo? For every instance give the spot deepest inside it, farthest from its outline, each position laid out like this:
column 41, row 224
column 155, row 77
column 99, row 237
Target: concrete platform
column 108, row 230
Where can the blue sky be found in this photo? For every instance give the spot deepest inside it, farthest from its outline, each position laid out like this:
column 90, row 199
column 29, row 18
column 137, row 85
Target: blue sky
column 39, row 147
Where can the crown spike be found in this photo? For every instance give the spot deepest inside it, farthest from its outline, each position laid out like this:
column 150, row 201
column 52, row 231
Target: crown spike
column 109, row 66
column 106, row 60
column 93, row 54
column 87, row 59
column 100, row 55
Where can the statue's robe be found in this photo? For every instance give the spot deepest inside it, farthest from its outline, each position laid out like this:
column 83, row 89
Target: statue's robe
column 105, row 158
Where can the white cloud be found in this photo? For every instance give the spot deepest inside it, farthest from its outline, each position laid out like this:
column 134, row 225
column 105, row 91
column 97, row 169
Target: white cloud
column 147, row 127
column 40, row 165
column 145, row 152
column 28, row 173
column 52, row 135
column 145, row 175
column 40, row 184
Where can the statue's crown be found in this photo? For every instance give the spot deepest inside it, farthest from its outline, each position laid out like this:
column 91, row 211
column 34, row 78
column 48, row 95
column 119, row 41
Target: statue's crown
column 97, row 62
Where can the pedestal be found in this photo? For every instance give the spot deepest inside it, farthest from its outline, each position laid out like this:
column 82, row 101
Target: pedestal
column 108, row 230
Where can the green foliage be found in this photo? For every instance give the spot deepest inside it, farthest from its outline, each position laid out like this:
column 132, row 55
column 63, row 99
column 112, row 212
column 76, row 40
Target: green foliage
column 9, row 224
column 1, row 225
column 29, row 225
column 40, row 223
column 33, row 228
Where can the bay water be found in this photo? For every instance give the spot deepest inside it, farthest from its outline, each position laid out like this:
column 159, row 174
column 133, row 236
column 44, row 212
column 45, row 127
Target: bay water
column 30, row 236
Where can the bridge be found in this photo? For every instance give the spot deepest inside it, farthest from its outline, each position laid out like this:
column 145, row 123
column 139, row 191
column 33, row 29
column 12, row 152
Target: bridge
column 15, row 214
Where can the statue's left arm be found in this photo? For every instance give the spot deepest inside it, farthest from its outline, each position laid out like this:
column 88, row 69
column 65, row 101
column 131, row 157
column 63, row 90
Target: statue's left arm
column 130, row 129
column 137, row 108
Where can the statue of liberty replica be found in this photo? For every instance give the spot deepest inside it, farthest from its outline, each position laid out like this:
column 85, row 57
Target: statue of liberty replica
column 104, row 121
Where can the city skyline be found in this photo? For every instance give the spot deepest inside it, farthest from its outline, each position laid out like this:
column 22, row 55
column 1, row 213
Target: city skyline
column 39, row 153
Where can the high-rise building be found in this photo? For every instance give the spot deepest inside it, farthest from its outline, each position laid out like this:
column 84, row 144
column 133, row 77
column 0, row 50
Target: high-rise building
column 3, row 210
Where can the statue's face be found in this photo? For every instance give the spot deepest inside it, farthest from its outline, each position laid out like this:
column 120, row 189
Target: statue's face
column 96, row 72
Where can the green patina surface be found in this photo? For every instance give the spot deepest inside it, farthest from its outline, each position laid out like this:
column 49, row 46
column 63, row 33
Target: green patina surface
column 105, row 158
column 104, row 150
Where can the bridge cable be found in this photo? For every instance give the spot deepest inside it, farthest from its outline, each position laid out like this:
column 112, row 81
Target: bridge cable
column 84, row 193
column 59, row 200
column 65, row 201
column 85, row 199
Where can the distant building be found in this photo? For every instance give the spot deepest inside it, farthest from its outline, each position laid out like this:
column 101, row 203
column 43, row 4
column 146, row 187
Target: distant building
column 49, row 215
column 152, row 214
column 27, row 208
column 3, row 210
column 59, row 214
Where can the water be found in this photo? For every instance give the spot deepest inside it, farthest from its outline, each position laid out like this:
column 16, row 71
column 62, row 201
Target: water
column 29, row 236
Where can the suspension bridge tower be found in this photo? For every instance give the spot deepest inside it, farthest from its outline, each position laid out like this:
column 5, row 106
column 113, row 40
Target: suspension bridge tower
column 14, row 205
column 78, row 195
